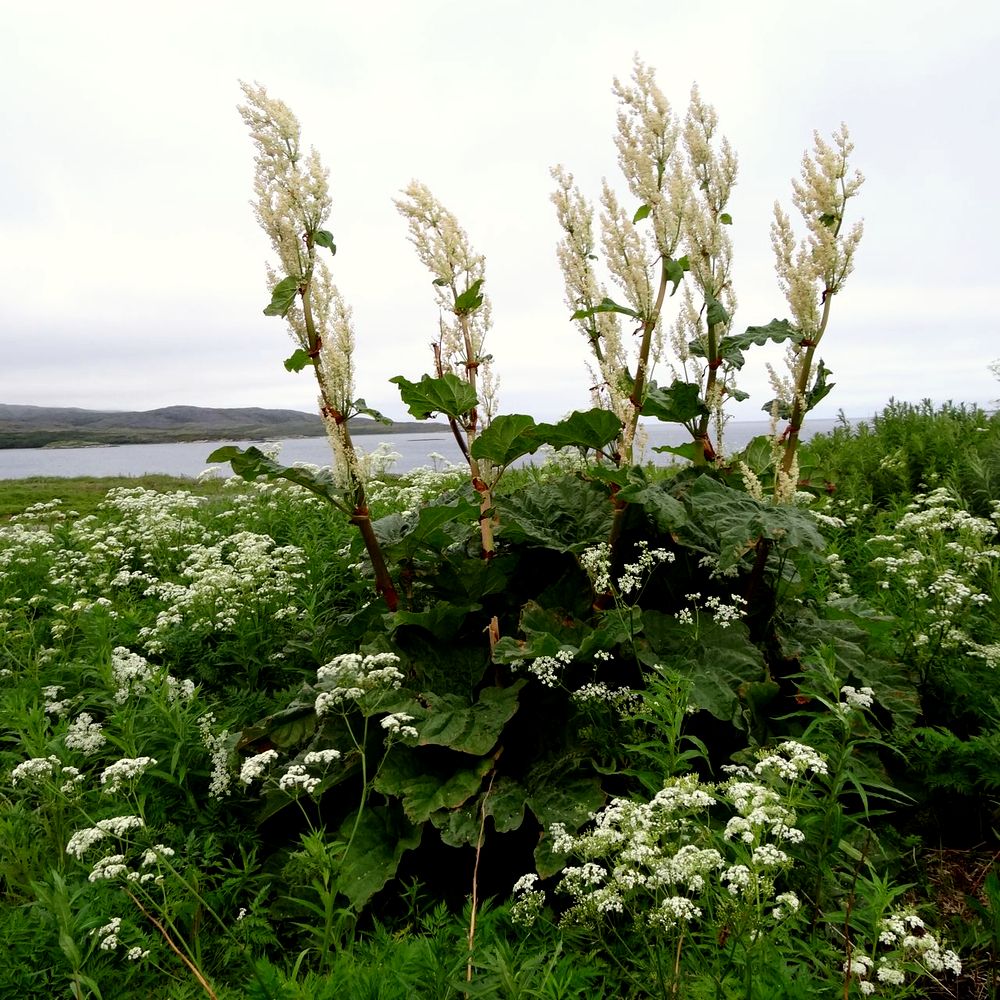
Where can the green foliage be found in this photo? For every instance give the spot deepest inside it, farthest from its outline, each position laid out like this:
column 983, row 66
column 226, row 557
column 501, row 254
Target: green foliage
column 282, row 297
column 448, row 395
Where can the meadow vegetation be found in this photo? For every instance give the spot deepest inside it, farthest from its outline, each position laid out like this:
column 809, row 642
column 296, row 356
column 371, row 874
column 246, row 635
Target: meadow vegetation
column 726, row 729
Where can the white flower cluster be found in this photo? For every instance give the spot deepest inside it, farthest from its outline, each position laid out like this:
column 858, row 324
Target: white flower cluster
column 633, row 574
column 596, row 562
column 134, row 676
column 548, row 669
column 115, row 826
column 108, row 934
column 934, row 558
column 123, row 771
column 791, row 760
column 297, row 777
column 53, row 705
column 664, row 851
column 351, row 676
column 254, row 767
column 243, row 575
column 908, row 932
column 621, row 700
column 759, row 811
column 115, row 867
column 395, row 725
column 217, row 744
column 528, row 901
column 84, row 735
column 863, row 698
column 407, row 492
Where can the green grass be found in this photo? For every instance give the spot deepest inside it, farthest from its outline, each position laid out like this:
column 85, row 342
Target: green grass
column 84, row 493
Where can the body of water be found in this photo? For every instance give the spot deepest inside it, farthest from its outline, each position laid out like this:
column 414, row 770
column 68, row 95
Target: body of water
column 189, row 458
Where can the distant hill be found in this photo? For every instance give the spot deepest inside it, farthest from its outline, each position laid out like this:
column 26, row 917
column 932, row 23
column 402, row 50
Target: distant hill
column 66, row 427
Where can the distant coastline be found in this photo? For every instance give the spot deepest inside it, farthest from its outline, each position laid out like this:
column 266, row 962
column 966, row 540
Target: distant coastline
column 24, row 426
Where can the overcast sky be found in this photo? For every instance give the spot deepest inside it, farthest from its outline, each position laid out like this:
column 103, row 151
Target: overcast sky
column 133, row 270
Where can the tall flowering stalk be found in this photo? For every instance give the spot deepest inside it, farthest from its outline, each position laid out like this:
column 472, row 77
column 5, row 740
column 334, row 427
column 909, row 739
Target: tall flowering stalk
column 706, row 317
column 292, row 204
column 459, row 273
column 641, row 261
column 810, row 273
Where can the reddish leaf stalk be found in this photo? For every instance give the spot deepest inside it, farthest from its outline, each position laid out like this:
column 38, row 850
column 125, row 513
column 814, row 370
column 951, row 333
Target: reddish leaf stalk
column 384, row 586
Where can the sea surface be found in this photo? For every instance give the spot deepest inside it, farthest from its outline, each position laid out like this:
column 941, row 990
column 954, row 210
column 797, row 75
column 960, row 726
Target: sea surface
column 412, row 451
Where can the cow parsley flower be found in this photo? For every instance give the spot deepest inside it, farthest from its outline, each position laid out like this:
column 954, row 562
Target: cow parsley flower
column 127, row 769
column 254, row 767
column 394, row 725
column 84, row 735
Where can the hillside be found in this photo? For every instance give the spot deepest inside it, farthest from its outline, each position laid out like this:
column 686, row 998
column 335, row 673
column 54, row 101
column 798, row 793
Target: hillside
column 24, row 426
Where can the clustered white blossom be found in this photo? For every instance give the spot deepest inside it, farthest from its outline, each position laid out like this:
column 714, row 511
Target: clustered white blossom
column 115, row 867
column 863, row 698
column 633, row 574
column 933, row 558
column 597, row 692
column 240, row 576
column 635, row 852
column 547, row 669
column 116, row 826
column 134, row 676
column 123, row 771
column 596, row 562
column 395, row 725
column 254, row 767
column 724, row 614
column 297, row 777
column 85, row 735
column 351, row 676
column 906, row 939
column 53, row 705
column 217, row 744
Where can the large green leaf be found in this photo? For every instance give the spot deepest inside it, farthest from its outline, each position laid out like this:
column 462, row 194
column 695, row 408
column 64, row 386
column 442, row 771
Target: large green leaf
column 604, row 306
column 253, row 463
column 434, row 527
column 448, row 395
column 506, row 803
column 382, row 836
column 470, row 300
column 459, row 827
column 731, row 348
column 717, row 661
column 666, row 511
column 679, row 403
column 442, row 620
column 728, row 523
column 582, row 429
column 565, row 514
column 507, row 438
column 282, row 296
column 846, row 634
column 449, row 720
column 570, row 801
column 425, row 786
column 688, row 450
